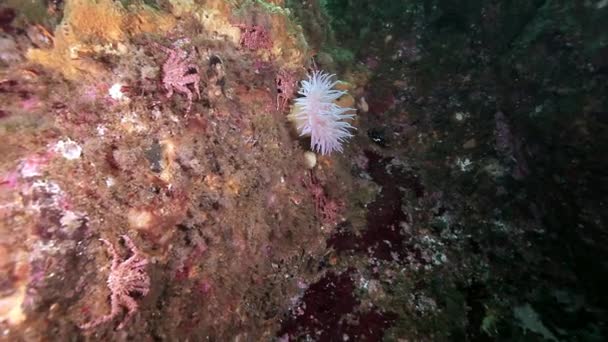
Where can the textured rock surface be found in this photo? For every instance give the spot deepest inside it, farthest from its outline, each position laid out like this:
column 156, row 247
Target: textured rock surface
column 470, row 205
column 212, row 196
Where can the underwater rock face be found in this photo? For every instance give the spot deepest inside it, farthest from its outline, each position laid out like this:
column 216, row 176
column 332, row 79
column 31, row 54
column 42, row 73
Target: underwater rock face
column 157, row 125
column 152, row 186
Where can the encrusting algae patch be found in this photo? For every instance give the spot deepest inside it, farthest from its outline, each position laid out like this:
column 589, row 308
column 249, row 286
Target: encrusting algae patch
column 92, row 26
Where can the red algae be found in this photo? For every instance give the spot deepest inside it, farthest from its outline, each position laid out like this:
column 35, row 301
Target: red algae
column 323, row 310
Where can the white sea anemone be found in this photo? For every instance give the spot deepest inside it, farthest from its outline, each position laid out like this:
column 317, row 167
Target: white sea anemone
column 317, row 115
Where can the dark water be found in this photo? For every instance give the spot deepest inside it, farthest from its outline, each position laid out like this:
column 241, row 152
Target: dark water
column 519, row 84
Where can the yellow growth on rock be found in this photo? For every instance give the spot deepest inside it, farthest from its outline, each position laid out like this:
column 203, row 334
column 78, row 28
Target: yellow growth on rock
column 89, row 26
column 11, row 310
column 168, row 157
column 217, row 17
column 212, row 15
column 89, row 20
column 289, row 45
column 346, row 100
column 10, row 307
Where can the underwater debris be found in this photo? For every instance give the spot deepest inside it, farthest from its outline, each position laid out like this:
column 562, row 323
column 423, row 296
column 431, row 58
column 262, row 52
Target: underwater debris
column 125, row 278
column 178, row 74
column 318, row 116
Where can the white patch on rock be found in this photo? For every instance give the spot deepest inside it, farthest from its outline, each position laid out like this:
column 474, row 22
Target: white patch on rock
column 115, row 92
column 30, row 168
column 464, row 165
column 71, row 220
column 310, row 159
column 101, row 130
column 132, row 123
column 68, row 148
column 110, row 182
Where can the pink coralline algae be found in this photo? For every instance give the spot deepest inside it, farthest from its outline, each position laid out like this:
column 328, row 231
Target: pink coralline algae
column 10, row 180
column 286, row 87
column 327, row 209
column 32, row 165
column 254, row 37
column 126, row 278
column 179, row 72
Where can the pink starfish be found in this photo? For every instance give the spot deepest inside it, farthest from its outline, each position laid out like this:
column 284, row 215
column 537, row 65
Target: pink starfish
column 126, row 277
column 179, row 72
